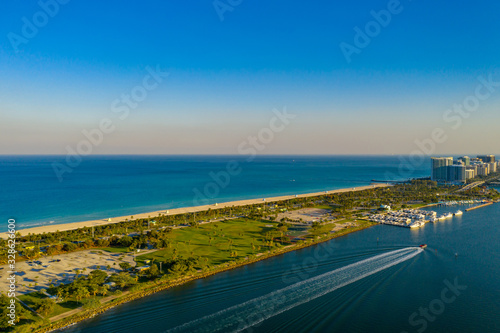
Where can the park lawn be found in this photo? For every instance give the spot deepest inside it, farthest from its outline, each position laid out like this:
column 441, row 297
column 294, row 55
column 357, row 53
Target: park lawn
column 195, row 241
column 418, row 205
column 361, row 222
column 298, row 231
column 114, row 249
column 65, row 306
column 32, row 299
column 322, row 229
column 327, row 228
column 329, row 207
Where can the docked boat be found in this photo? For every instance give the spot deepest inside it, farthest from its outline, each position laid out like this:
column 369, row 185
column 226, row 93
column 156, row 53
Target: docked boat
column 459, row 212
column 417, row 224
column 449, row 215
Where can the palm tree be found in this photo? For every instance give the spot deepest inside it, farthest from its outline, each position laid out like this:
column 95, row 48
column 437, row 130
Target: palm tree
column 80, row 293
column 103, row 290
column 94, row 288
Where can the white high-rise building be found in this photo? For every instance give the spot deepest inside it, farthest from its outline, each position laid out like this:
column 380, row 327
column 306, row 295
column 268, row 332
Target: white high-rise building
column 440, row 168
column 483, row 170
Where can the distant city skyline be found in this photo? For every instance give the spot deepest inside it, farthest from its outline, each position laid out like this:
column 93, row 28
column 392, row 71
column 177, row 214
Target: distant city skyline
column 227, row 74
column 464, row 168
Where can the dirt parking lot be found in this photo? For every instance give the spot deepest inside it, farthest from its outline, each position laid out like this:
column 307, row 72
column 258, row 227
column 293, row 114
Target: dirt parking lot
column 308, row 215
column 33, row 276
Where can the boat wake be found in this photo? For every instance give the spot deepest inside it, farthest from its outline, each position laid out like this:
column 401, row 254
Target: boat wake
column 255, row 311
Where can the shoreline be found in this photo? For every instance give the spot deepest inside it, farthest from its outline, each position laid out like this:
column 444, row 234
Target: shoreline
column 73, row 319
column 182, row 210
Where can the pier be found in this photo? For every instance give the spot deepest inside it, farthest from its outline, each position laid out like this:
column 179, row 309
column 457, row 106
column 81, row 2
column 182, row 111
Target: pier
column 480, row 206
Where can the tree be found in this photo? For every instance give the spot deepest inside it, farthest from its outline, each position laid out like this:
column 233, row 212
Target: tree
column 60, row 293
column 45, row 307
column 125, row 241
column 181, row 266
column 93, row 288
column 125, row 266
column 103, row 290
column 122, row 279
column 98, row 276
column 153, row 272
column 32, row 254
column 69, row 247
column 51, row 250
column 80, row 293
column 88, row 243
column 5, row 302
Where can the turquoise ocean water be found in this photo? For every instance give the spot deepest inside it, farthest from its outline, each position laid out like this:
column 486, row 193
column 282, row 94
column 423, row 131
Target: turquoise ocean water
column 107, row 186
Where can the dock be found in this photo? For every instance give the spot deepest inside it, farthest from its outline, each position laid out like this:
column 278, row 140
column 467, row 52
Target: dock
column 480, row 206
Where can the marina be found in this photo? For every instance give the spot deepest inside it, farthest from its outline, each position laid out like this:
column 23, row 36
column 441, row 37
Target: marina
column 460, row 203
column 407, row 218
column 412, row 218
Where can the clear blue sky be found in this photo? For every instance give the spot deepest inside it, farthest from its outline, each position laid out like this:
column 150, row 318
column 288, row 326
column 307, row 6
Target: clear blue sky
column 226, row 76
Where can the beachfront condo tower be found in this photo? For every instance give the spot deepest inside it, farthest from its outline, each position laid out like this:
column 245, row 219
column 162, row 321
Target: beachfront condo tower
column 465, row 160
column 487, row 158
column 440, row 168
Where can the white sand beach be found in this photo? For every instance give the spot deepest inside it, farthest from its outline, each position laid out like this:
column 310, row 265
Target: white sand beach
column 175, row 211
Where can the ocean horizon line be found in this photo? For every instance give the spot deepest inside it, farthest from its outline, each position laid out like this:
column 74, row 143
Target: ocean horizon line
column 240, row 155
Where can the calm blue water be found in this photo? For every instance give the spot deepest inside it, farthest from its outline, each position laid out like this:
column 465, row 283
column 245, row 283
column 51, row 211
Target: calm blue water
column 106, row 186
column 380, row 303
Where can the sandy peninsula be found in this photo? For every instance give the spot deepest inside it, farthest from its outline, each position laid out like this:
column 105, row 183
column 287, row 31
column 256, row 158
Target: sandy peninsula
column 175, row 211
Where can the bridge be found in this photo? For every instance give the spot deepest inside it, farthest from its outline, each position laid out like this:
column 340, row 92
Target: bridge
column 470, row 186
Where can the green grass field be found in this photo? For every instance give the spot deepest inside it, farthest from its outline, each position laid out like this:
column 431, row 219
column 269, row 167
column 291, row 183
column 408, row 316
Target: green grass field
column 114, row 249
column 32, row 300
column 212, row 241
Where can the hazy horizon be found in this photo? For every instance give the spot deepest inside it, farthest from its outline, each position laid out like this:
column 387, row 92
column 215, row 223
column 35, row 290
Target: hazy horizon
column 228, row 72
